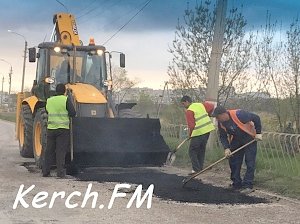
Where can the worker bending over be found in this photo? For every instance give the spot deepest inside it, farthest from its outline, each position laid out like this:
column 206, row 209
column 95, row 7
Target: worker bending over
column 236, row 128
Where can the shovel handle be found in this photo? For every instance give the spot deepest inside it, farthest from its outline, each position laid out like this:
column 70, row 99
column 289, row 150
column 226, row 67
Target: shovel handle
column 179, row 146
column 215, row 163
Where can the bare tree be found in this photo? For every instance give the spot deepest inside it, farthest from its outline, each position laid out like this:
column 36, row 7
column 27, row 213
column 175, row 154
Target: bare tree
column 191, row 50
column 293, row 72
column 121, row 83
column 269, row 65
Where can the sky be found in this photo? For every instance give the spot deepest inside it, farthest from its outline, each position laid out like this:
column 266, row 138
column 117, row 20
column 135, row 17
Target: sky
column 145, row 40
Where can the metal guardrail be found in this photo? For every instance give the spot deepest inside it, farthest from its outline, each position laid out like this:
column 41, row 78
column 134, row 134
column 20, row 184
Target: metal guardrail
column 278, row 153
column 174, row 131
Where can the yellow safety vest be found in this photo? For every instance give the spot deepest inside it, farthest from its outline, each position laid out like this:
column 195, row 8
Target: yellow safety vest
column 57, row 112
column 203, row 122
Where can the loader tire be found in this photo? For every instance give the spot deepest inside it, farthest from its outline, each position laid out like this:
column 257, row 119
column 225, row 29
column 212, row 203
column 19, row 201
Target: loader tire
column 39, row 135
column 25, row 132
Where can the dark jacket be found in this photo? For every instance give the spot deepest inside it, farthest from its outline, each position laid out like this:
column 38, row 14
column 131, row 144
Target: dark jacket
column 70, row 108
column 239, row 136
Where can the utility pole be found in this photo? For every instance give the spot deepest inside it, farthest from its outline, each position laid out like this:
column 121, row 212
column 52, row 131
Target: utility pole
column 9, row 80
column 2, row 91
column 9, row 74
column 24, row 64
column 25, row 56
column 161, row 100
column 216, row 53
column 215, row 61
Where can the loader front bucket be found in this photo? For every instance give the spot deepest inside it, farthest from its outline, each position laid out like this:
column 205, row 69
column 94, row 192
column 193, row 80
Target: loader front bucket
column 118, row 142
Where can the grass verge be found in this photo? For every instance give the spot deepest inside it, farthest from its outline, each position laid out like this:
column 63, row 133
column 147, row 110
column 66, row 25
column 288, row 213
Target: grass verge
column 278, row 172
column 8, row 116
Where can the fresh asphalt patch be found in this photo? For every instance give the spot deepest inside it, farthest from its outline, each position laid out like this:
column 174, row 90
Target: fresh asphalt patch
column 166, row 186
column 169, row 186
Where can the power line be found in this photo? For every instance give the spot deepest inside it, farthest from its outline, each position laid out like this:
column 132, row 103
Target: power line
column 122, row 27
column 102, row 12
column 88, row 12
column 62, row 5
column 123, row 15
column 91, row 10
column 81, row 10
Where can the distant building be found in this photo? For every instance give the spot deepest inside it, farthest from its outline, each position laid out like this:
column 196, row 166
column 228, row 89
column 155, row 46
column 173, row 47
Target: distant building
column 157, row 96
column 133, row 95
column 4, row 97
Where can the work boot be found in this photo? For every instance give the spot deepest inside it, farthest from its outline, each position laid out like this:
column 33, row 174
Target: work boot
column 61, row 174
column 193, row 171
column 234, row 187
column 247, row 190
column 46, row 174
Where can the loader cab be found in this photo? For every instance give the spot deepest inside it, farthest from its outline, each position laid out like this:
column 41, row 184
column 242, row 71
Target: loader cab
column 67, row 64
column 39, row 88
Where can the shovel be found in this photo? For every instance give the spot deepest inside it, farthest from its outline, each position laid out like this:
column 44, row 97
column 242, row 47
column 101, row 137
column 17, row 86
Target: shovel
column 187, row 179
column 171, row 156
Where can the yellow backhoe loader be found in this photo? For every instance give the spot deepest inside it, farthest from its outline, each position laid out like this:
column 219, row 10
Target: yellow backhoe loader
column 99, row 135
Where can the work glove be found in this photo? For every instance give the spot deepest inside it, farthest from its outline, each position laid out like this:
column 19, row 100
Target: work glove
column 227, row 153
column 258, row 137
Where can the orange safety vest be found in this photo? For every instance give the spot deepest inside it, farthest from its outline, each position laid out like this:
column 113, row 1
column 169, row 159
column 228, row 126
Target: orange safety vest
column 246, row 127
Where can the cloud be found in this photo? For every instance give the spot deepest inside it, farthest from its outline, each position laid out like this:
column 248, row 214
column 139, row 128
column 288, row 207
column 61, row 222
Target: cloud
column 157, row 15
column 282, row 11
column 110, row 15
column 144, row 40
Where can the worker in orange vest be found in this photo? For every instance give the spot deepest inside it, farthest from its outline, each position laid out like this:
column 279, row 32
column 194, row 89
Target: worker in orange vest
column 236, row 128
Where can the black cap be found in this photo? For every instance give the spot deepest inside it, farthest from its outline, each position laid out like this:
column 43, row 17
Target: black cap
column 218, row 110
column 60, row 89
column 186, row 99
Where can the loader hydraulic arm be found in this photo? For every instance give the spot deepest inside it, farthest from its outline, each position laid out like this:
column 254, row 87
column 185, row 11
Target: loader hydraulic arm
column 65, row 29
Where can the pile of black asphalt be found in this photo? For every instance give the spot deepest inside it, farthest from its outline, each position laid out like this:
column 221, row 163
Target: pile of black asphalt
column 168, row 186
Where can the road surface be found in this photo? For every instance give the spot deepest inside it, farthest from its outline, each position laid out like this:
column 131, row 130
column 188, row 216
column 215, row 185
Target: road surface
column 201, row 202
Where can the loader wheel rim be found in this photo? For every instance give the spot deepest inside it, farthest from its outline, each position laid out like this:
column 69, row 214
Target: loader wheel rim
column 37, row 139
column 21, row 134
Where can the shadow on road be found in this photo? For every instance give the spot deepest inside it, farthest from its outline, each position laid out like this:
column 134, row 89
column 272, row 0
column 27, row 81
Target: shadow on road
column 169, row 186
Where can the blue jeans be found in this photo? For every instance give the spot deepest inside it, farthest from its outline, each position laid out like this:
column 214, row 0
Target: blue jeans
column 236, row 161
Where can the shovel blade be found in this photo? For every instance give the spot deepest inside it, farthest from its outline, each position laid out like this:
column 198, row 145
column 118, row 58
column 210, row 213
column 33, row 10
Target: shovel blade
column 171, row 159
